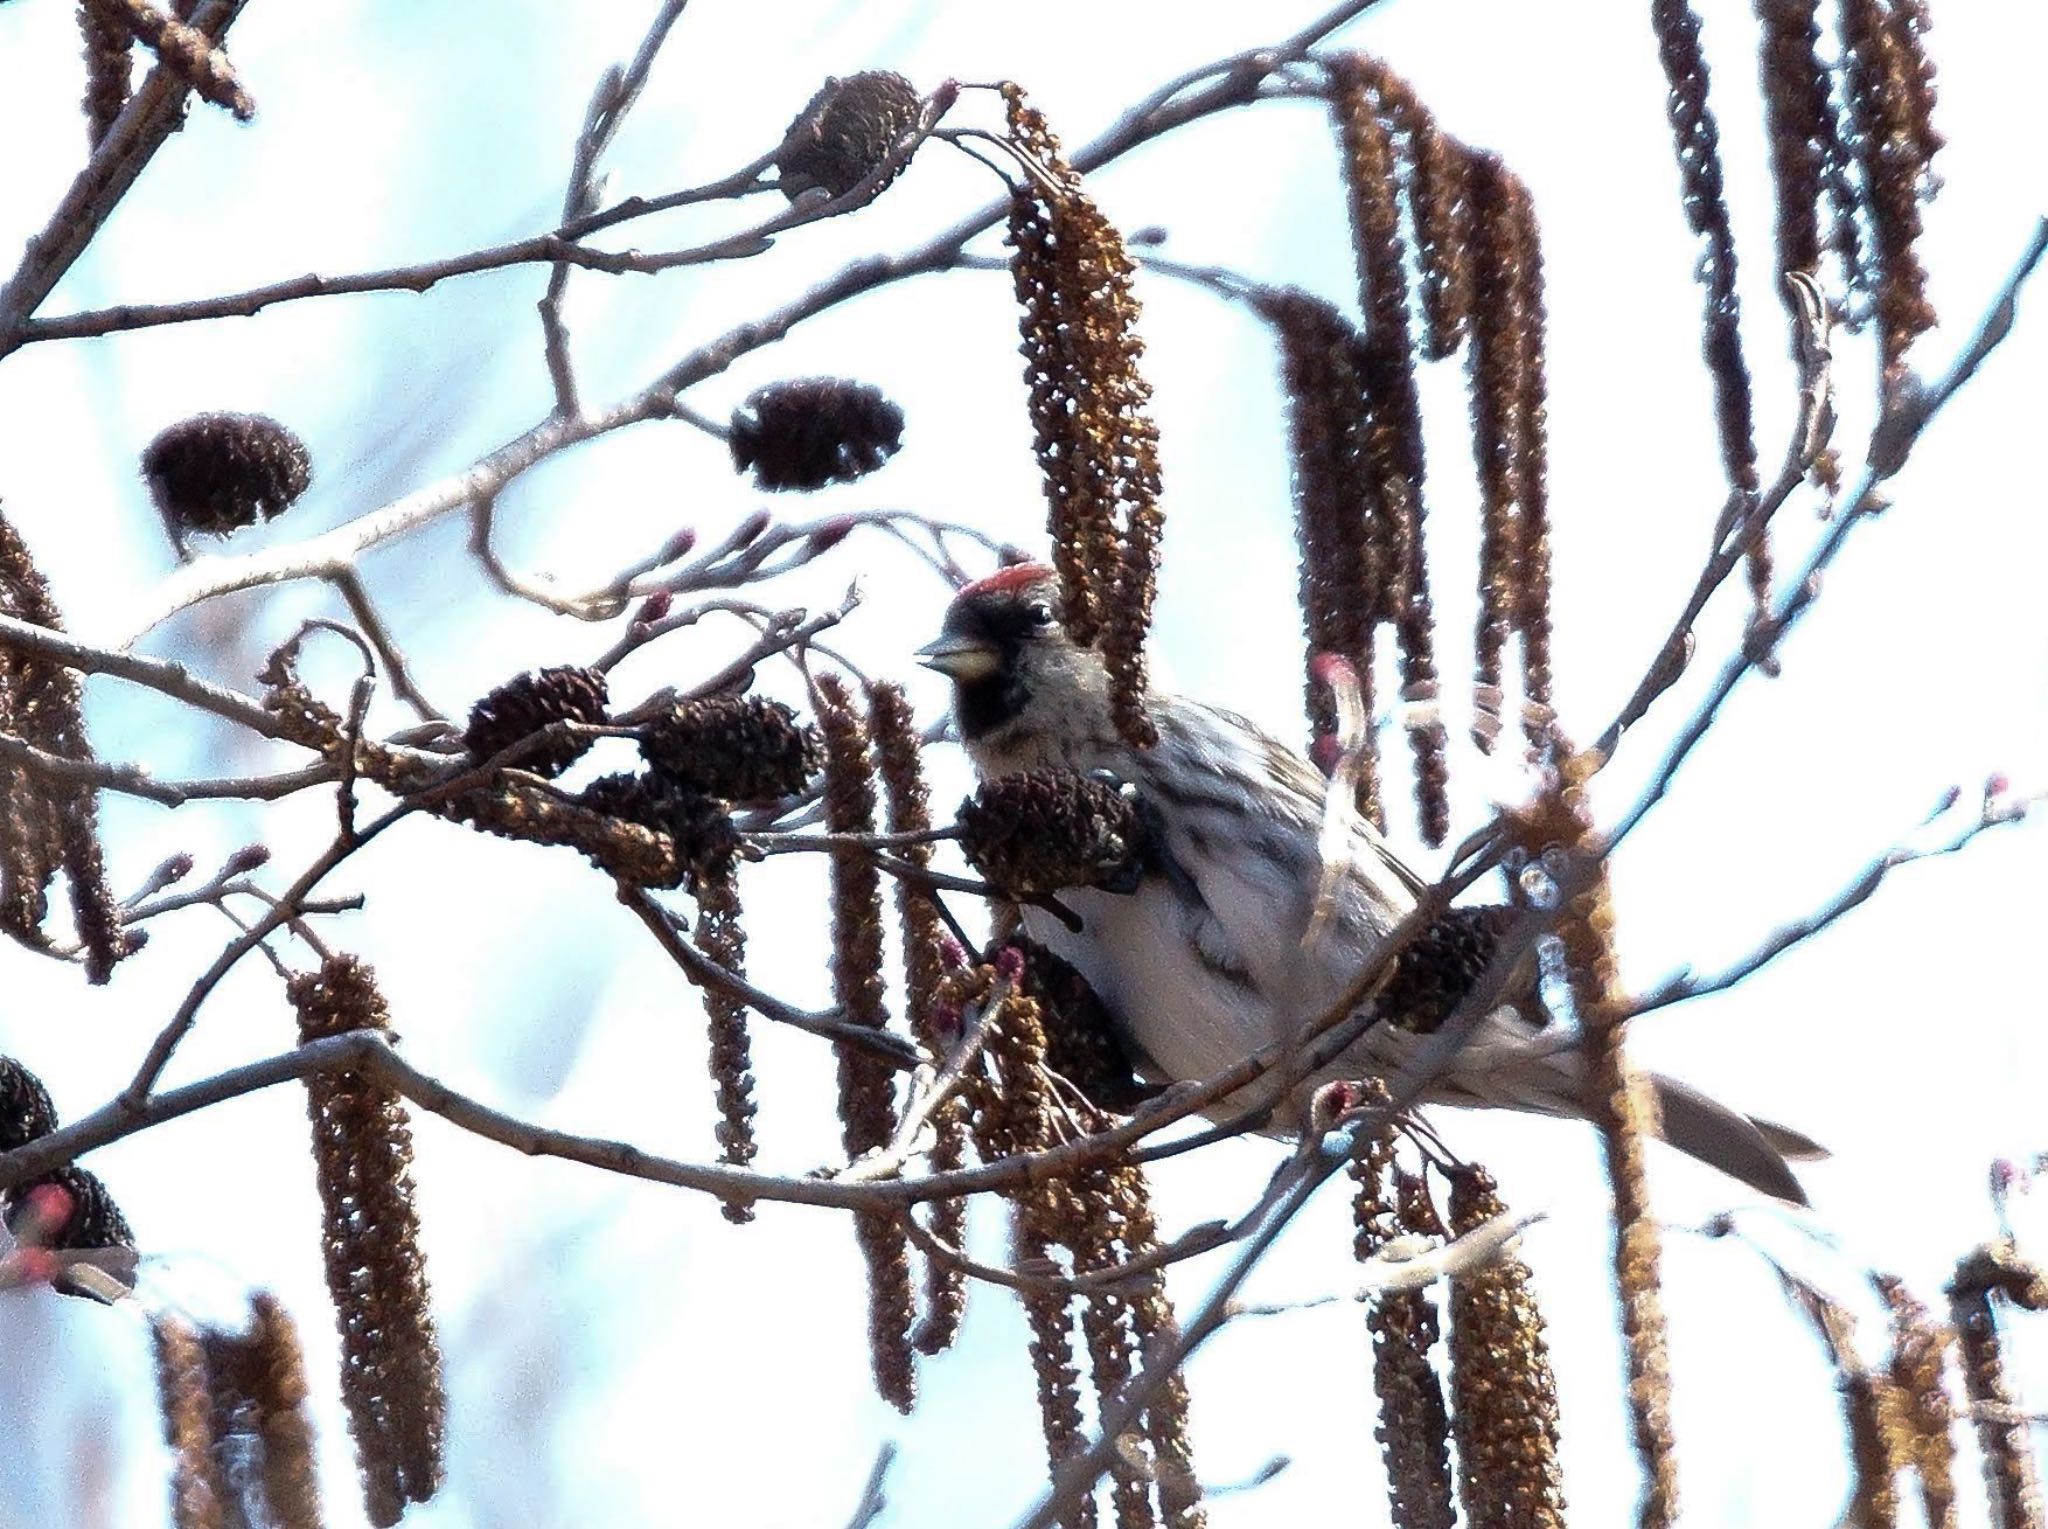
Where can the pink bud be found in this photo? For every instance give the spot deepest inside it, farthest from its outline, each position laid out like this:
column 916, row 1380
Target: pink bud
column 679, row 545
column 750, row 529
column 175, row 869
column 247, row 858
column 35, row 1266
column 1332, row 670
column 832, row 532
column 1997, row 783
column 1325, row 751
column 654, row 607
column 952, row 954
column 946, row 1021
column 944, row 97
column 1010, row 963
column 49, row 1208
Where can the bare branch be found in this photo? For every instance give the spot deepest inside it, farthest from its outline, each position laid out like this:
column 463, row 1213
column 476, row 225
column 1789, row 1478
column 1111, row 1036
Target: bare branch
column 1677, row 989
column 152, row 114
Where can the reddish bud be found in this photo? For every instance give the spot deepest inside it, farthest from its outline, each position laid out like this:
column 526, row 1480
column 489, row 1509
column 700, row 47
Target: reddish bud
column 247, row 858
column 832, row 532
column 49, row 1210
column 1010, row 963
column 1333, row 670
column 1325, row 752
column 173, row 870
column 943, row 98
column 35, row 1266
column 946, row 1021
column 1997, row 783
column 750, row 529
column 952, row 954
column 679, row 545
column 654, row 607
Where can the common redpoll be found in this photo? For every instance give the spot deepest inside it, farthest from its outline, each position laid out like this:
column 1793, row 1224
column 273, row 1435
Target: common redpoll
column 1208, row 958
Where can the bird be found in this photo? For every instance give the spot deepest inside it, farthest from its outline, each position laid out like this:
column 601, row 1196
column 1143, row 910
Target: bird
column 1216, row 949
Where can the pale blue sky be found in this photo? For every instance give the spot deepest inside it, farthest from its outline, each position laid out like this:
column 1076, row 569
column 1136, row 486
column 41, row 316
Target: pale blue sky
column 619, row 1355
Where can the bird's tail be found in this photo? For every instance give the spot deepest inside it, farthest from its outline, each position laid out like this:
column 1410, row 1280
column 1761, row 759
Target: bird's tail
column 1756, row 1152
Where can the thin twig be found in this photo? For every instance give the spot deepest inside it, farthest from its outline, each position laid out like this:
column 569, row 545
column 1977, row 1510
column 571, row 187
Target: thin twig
column 1685, row 984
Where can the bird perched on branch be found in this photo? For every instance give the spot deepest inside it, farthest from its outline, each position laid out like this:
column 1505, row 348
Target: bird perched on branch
column 1210, row 955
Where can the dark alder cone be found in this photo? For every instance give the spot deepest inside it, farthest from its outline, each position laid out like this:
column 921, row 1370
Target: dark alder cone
column 25, row 1108
column 1437, row 968
column 1081, row 1041
column 812, row 431
column 738, row 748
column 220, row 472
column 1045, row 830
column 523, row 706
column 845, row 132
column 705, row 840
column 95, row 1220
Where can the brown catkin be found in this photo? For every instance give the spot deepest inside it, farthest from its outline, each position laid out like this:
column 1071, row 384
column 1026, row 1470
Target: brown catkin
column 1799, row 117
column 1394, row 453
column 1504, row 1395
column 1532, row 480
column 1889, row 99
column 1499, row 290
column 2012, row 1481
column 185, row 52
column 721, row 936
column 1059, row 1378
column 1909, row 24
column 1166, row 1420
column 1414, row 1429
column 1438, row 166
column 867, row 1085
column 276, row 1378
column 184, row 1397
column 1697, row 139
column 1113, row 1355
column 898, row 753
column 1342, row 590
column 391, row 1382
column 1918, row 1363
column 48, row 824
column 1875, row 1453
column 1013, row 1115
column 1621, row 1106
column 1098, row 448
column 109, row 67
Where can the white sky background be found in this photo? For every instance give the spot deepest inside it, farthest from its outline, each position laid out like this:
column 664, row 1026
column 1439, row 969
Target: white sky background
column 618, row 1354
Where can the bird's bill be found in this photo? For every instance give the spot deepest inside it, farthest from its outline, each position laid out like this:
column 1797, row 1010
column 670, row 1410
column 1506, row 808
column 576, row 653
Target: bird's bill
column 960, row 658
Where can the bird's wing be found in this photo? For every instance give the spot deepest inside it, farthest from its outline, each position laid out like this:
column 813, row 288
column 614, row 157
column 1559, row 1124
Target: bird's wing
column 1240, row 817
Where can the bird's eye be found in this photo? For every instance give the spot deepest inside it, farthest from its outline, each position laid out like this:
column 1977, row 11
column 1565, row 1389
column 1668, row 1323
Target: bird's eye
column 1038, row 613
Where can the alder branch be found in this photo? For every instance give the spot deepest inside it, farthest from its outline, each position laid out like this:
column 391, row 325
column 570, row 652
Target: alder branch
column 161, row 675
column 1993, row 813
column 152, row 114
column 814, row 206
column 707, row 973
column 134, row 780
column 1891, row 446
column 614, row 97
column 1233, row 82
